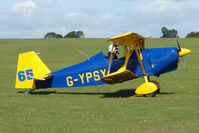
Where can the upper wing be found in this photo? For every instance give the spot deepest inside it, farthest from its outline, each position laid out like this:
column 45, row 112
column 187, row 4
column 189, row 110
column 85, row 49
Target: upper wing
column 128, row 39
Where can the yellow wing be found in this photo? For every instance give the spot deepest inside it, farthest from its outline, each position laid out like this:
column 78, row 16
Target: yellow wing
column 128, row 39
column 131, row 41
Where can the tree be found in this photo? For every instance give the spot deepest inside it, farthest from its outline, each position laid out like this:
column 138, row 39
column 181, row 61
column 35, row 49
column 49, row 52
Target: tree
column 80, row 34
column 59, row 36
column 71, row 34
column 192, row 35
column 51, row 35
column 164, row 32
column 168, row 33
column 75, row 34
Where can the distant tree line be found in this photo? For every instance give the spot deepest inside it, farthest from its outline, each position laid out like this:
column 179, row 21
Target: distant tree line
column 172, row 33
column 72, row 34
column 192, row 35
column 165, row 33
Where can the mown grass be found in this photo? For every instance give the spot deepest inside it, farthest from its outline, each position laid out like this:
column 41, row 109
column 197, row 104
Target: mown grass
column 100, row 109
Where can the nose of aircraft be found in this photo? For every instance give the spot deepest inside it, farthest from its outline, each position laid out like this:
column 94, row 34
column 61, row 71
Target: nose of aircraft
column 183, row 52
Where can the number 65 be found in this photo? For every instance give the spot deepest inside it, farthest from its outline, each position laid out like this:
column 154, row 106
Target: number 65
column 23, row 75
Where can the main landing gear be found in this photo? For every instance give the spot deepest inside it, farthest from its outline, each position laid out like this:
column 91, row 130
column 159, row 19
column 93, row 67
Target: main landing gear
column 149, row 88
column 153, row 94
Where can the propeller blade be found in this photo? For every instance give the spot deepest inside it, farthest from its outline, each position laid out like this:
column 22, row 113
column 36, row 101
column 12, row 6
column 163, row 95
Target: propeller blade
column 179, row 47
column 183, row 62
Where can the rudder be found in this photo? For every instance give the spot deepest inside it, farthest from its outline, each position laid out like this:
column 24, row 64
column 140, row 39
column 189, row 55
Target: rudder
column 29, row 68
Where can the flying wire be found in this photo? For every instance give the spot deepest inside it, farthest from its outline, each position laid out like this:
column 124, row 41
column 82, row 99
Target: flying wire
column 81, row 52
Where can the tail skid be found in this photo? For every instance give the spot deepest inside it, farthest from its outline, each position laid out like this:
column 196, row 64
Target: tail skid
column 30, row 68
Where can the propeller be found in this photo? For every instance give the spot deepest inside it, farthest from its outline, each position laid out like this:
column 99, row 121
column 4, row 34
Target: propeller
column 179, row 49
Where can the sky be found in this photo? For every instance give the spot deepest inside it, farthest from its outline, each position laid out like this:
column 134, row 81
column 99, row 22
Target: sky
column 97, row 18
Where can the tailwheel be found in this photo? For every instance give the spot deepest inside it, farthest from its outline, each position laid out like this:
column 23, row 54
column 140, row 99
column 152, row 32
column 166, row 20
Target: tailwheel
column 28, row 91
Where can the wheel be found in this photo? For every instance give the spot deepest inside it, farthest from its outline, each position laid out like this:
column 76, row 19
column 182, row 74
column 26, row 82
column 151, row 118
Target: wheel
column 158, row 90
column 153, row 94
column 158, row 86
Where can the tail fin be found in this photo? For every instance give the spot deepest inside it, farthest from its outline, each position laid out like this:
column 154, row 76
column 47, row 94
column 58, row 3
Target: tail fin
column 30, row 67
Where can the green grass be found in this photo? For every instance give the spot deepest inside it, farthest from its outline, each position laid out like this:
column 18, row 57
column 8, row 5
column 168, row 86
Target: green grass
column 100, row 109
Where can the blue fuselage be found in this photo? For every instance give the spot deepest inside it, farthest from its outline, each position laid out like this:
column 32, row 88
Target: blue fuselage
column 88, row 73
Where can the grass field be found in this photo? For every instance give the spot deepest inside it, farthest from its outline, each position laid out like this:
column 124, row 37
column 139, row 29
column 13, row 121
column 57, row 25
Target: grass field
column 97, row 109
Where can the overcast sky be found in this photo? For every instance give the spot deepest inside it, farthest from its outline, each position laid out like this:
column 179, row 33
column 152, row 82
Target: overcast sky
column 97, row 18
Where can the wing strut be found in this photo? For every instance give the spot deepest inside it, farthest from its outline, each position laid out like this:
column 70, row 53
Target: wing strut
column 139, row 59
column 109, row 66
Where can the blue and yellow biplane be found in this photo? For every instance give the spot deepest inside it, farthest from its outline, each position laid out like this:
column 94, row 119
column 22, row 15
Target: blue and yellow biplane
column 137, row 62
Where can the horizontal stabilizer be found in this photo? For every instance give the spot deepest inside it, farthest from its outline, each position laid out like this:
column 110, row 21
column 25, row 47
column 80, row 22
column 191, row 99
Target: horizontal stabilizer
column 43, row 77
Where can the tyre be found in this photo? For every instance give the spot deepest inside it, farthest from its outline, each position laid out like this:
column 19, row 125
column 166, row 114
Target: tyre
column 158, row 86
column 153, row 94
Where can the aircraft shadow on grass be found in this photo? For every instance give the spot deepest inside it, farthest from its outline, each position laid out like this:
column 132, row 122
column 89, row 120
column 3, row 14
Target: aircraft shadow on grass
column 118, row 94
column 124, row 93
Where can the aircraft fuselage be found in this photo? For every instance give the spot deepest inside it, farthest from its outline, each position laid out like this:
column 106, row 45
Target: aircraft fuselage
column 88, row 73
